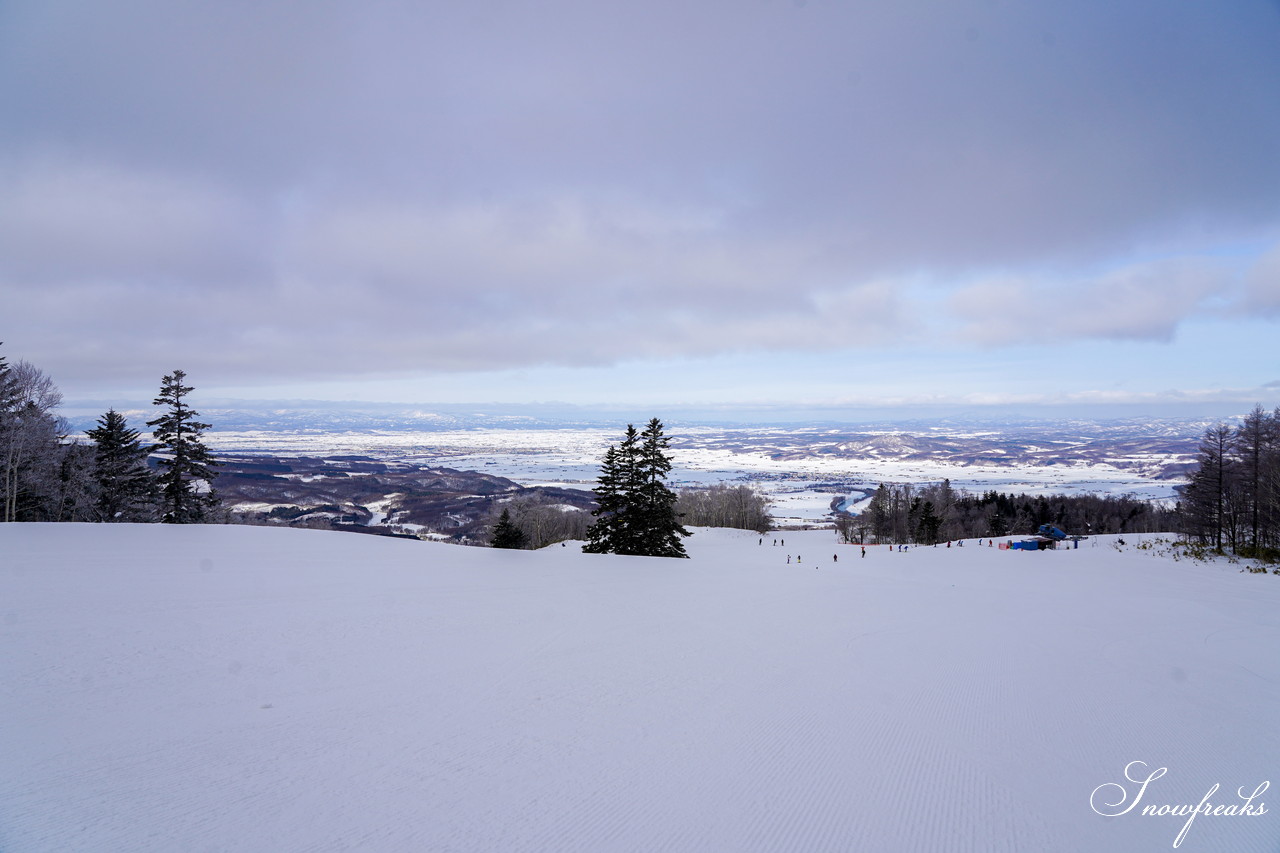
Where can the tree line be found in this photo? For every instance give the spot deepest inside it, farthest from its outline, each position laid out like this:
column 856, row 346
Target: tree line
column 1232, row 501
column 44, row 476
column 937, row 512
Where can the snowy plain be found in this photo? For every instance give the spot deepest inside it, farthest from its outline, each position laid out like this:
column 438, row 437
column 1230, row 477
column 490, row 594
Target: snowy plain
column 256, row 689
column 801, row 488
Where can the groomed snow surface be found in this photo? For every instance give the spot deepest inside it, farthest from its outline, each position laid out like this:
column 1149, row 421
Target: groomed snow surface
column 253, row 689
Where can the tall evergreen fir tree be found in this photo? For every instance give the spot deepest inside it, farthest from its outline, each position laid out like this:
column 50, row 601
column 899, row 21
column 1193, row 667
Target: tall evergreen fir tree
column 186, row 462
column 659, row 527
column 636, row 511
column 614, row 529
column 629, row 532
column 601, row 538
column 126, row 488
column 927, row 524
column 506, row 534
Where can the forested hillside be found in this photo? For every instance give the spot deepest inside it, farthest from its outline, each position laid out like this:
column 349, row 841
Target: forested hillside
column 1233, row 499
column 901, row 512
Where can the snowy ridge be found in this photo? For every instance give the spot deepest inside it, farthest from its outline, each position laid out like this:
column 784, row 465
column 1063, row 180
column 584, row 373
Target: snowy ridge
column 258, row 689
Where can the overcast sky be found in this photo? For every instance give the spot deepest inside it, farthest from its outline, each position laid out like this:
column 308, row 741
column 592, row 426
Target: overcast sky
column 611, row 201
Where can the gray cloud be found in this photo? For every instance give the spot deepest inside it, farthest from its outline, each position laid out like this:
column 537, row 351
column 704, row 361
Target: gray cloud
column 66, row 221
column 393, row 186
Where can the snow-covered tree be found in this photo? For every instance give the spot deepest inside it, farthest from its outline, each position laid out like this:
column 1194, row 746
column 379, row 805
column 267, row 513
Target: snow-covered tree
column 30, row 444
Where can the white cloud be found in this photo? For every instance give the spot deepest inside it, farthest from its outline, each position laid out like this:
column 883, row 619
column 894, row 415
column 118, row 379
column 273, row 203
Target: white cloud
column 1136, row 302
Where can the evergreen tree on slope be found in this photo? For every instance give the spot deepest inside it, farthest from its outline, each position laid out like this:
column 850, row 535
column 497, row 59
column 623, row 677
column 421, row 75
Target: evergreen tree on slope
column 506, row 534
column 126, row 487
column 187, row 461
column 636, row 510
column 659, row 527
column 613, row 531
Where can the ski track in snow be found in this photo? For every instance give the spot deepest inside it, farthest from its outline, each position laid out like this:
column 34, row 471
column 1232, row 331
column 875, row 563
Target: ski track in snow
column 255, row 689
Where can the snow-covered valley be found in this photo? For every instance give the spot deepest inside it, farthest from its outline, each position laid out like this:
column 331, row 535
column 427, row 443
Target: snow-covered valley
column 256, row 689
column 802, row 470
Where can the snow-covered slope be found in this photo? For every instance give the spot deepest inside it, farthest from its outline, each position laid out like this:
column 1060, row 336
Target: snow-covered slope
column 253, row 689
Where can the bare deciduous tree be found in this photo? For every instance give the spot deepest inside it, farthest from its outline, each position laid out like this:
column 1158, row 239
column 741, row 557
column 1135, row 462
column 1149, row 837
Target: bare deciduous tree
column 543, row 521
column 30, row 441
column 722, row 505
